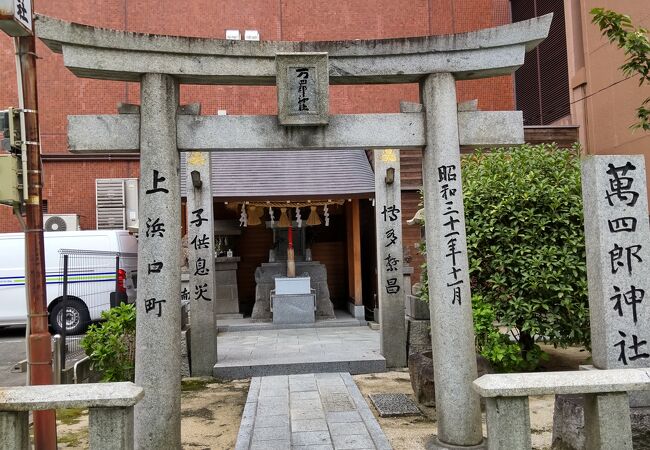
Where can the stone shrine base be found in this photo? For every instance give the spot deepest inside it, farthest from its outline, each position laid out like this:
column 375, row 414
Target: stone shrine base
column 419, row 335
column 266, row 274
column 293, row 308
column 435, row 444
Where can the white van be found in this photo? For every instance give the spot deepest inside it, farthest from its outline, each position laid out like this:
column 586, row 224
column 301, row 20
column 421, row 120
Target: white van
column 93, row 278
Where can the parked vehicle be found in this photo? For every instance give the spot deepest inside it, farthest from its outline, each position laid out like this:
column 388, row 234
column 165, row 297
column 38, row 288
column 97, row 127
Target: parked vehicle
column 93, row 278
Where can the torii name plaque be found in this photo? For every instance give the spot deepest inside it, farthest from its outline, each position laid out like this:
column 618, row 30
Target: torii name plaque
column 303, row 89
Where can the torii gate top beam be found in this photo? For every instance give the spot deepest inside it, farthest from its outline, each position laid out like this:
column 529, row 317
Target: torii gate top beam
column 91, row 52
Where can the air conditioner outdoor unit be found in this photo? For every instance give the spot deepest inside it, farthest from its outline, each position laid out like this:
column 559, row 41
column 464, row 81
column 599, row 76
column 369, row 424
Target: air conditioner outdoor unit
column 60, row 222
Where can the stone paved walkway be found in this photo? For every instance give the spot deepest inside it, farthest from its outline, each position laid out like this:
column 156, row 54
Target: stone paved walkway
column 311, row 411
column 244, row 354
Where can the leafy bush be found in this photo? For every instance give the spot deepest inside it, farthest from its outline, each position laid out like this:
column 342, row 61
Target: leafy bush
column 526, row 250
column 504, row 353
column 111, row 344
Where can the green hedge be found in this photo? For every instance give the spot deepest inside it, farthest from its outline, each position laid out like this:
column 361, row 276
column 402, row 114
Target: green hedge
column 525, row 239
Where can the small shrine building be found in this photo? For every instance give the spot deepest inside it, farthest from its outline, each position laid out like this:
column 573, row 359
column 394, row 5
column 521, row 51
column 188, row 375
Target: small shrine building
column 326, row 196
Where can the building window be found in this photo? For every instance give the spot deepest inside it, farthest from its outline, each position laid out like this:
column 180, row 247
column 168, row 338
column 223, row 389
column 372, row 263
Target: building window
column 542, row 83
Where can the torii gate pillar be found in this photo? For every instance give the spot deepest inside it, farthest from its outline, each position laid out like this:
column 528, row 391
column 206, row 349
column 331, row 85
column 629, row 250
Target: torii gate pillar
column 158, row 355
column 452, row 331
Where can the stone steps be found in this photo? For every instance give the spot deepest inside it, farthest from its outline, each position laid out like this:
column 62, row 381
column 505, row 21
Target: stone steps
column 248, row 354
column 263, row 368
column 249, row 325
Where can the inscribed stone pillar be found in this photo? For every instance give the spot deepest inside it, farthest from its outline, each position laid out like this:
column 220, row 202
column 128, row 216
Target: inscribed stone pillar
column 388, row 219
column 158, row 351
column 200, row 237
column 452, row 332
column 617, row 236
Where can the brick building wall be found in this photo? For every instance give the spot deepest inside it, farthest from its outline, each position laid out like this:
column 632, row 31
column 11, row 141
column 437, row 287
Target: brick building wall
column 69, row 185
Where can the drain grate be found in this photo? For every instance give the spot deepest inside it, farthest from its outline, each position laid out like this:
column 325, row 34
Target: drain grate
column 392, row 405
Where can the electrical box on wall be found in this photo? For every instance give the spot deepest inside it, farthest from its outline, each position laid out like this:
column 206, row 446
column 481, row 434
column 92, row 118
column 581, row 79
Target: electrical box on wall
column 11, row 183
column 10, row 126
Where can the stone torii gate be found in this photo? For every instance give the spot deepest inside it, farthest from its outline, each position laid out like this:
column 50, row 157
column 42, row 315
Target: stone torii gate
column 159, row 132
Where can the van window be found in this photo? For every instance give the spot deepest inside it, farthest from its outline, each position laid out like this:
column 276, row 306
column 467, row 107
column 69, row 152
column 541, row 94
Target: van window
column 54, row 243
column 13, row 257
column 128, row 244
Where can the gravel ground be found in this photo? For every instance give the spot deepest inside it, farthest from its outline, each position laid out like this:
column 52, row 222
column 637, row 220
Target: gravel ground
column 411, row 433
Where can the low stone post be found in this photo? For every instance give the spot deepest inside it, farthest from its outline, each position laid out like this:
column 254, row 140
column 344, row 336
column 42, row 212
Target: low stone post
column 452, row 331
column 508, row 420
column 200, row 236
column 158, row 325
column 390, row 253
column 14, row 429
column 607, row 421
column 111, row 428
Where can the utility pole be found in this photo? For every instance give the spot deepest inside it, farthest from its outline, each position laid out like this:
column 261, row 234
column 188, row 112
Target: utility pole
column 40, row 348
column 18, row 22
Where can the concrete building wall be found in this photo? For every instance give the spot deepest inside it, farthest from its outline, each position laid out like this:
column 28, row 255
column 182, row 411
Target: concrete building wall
column 62, row 94
column 602, row 104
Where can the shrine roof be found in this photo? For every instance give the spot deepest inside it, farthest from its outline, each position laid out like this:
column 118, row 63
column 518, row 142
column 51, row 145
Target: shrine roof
column 288, row 174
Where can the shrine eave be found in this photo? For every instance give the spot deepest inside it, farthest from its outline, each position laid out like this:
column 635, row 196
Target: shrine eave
column 100, row 53
column 265, row 175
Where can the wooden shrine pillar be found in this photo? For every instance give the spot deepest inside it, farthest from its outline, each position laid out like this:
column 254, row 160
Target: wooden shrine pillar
column 353, row 228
